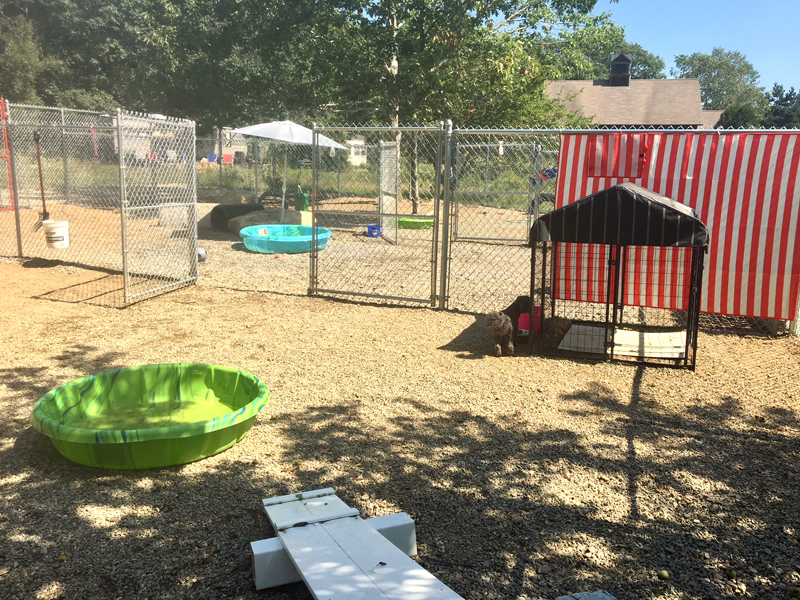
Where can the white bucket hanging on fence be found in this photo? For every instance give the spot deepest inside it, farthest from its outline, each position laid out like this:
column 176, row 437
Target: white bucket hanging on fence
column 56, row 234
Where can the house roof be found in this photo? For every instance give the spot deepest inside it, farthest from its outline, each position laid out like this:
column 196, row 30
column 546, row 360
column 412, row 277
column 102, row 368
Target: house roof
column 626, row 215
column 645, row 102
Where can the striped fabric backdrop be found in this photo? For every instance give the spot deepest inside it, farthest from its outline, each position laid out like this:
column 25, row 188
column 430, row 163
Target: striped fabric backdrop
column 743, row 187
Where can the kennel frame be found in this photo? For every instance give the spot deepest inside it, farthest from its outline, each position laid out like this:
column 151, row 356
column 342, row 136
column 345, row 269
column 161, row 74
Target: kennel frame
column 616, row 220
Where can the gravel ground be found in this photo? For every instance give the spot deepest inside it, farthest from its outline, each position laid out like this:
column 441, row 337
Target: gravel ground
column 527, row 477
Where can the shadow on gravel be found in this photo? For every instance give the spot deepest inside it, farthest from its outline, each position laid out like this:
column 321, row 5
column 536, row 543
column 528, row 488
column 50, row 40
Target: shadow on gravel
column 507, row 510
column 472, row 343
column 70, row 531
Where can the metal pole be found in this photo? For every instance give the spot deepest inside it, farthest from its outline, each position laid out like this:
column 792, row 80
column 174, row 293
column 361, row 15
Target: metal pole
column 283, row 192
column 192, row 147
column 219, row 157
column 315, row 160
column 456, row 216
column 536, row 188
column 14, row 187
column 152, row 158
column 123, row 206
column 446, row 217
column 534, row 247
column 313, row 258
column 256, row 147
column 486, row 176
column 64, row 154
column 436, row 212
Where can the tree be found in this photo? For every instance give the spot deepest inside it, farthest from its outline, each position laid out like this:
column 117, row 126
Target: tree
column 20, row 60
column 644, row 65
column 727, row 82
column 784, row 108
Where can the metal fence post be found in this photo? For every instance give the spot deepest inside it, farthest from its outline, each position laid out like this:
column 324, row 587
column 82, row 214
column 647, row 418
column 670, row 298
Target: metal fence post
column 13, row 183
column 314, row 258
column 446, row 215
column 64, row 154
column 436, row 213
column 123, row 205
column 219, row 157
column 256, row 149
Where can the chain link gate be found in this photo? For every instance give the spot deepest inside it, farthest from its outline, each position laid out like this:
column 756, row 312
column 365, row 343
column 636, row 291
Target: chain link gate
column 499, row 182
column 130, row 214
column 159, row 216
column 381, row 200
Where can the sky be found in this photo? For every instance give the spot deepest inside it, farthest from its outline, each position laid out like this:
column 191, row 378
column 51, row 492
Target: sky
column 765, row 31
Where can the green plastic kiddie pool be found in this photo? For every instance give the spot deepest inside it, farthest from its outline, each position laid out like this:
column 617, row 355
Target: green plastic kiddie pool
column 150, row 415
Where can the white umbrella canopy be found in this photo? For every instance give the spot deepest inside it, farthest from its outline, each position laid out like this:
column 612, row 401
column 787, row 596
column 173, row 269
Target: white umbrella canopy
column 291, row 133
column 287, row 131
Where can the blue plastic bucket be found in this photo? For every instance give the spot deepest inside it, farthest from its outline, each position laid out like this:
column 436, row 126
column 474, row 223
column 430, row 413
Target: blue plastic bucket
column 373, row 231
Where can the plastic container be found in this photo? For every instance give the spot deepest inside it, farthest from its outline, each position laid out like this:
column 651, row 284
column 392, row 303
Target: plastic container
column 408, row 223
column 300, row 201
column 525, row 320
column 56, row 234
column 283, row 239
column 151, row 415
column 373, row 231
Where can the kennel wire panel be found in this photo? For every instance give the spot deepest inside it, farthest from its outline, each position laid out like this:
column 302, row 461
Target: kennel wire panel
column 85, row 183
column 382, row 205
column 499, row 182
column 603, row 305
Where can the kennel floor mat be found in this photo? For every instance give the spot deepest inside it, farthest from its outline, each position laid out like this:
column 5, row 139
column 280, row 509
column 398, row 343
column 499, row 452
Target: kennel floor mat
column 644, row 344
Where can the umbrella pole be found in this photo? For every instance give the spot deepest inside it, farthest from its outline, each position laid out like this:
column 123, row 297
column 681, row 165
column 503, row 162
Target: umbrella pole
column 283, row 197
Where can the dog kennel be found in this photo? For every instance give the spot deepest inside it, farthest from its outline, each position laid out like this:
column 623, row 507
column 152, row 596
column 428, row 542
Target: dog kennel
column 618, row 275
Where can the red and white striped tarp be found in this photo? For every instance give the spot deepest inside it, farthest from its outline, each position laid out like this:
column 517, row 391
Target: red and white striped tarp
column 743, row 187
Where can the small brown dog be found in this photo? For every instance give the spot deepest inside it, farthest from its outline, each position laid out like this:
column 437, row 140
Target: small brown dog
column 504, row 325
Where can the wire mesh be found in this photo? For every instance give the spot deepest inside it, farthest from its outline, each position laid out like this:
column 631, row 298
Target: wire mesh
column 500, row 182
column 234, row 168
column 66, row 168
column 380, row 198
column 595, row 304
column 160, row 214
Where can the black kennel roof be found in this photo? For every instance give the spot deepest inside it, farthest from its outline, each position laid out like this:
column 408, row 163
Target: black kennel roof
column 624, row 215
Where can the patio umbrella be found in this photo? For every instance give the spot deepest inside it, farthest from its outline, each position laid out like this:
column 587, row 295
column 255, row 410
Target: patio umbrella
column 290, row 133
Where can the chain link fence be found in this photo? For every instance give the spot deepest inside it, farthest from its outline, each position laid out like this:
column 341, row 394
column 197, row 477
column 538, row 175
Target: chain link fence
column 381, row 200
column 500, row 181
column 233, row 168
column 122, row 186
column 491, row 186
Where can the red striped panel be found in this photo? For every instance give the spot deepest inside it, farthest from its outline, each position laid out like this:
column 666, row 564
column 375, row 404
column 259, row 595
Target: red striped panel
column 744, row 188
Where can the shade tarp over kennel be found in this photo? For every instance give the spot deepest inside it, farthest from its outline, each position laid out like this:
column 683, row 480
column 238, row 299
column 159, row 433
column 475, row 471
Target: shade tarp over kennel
column 622, row 215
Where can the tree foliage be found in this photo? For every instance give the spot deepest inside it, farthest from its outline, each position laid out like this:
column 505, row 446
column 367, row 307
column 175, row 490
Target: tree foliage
column 234, row 62
column 644, row 64
column 20, row 61
column 784, row 108
column 727, row 82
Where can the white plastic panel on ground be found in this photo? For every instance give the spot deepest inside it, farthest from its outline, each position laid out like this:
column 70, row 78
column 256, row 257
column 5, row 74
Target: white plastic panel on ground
column 644, row 344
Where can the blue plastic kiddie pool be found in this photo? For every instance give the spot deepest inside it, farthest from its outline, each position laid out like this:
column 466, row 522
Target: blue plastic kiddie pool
column 283, row 239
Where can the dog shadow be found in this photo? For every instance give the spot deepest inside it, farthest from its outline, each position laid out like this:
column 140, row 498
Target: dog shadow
column 472, row 343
